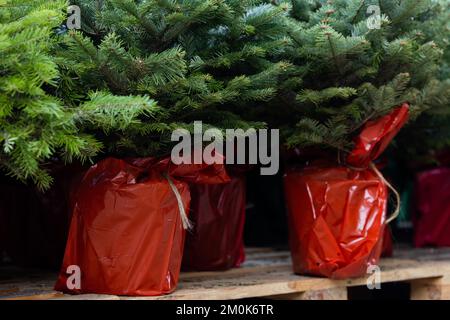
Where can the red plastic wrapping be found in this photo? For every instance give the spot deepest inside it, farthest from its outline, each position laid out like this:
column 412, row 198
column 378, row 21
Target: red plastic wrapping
column 388, row 245
column 126, row 234
column 336, row 217
column 337, row 214
column 218, row 216
column 376, row 136
column 432, row 219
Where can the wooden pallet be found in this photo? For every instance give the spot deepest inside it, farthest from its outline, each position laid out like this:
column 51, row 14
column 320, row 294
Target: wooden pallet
column 267, row 273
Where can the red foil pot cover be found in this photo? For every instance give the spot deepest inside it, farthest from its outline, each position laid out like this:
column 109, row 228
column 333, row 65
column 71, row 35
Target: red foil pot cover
column 336, row 218
column 376, row 136
column 432, row 197
column 218, row 216
column 337, row 214
column 126, row 234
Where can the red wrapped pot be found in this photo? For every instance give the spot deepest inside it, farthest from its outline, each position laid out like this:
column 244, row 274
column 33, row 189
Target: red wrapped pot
column 337, row 213
column 126, row 235
column 432, row 217
column 218, row 216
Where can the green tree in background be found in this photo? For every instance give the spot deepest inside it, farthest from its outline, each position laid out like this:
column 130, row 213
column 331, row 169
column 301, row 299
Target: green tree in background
column 200, row 59
column 138, row 69
column 422, row 141
column 36, row 127
column 348, row 72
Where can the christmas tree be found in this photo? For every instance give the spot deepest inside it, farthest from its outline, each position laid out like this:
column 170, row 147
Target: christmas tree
column 351, row 68
column 317, row 69
column 200, row 60
column 37, row 128
column 425, row 138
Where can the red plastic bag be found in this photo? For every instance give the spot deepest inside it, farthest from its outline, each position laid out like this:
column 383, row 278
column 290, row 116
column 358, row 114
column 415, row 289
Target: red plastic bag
column 432, row 219
column 376, row 136
column 126, row 235
column 388, row 245
column 337, row 214
column 218, row 216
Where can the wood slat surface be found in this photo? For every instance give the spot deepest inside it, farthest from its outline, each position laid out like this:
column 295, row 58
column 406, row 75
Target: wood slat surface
column 265, row 273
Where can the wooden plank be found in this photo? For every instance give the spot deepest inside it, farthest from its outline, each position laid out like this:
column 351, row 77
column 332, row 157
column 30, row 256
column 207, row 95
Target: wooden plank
column 284, row 282
column 339, row 293
column 269, row 273
column 87, row 297
column 431, row 289
column 268, row 256
column 236, row 272
column 44, row 296
column 253, row 250
column 424, row 254
column 34, row 289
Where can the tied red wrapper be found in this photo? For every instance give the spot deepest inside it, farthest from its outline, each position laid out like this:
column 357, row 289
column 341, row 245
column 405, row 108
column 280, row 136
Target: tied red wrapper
column 388, row 245
column 432, row 219
column 218, row 216
column 337, row 214
column 126, row 234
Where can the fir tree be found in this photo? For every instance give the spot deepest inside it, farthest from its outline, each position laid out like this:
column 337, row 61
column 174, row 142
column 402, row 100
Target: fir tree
column 347, row 73
column 200, row 59
column 430, row 133
column 36, row 128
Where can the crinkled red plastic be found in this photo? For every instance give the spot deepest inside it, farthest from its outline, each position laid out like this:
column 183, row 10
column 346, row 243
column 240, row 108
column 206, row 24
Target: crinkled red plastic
column 337, row 214
column 126, row 234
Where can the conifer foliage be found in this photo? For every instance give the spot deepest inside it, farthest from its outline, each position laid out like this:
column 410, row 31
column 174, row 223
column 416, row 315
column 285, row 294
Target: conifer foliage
column 199, row 59
column 139, row 69
column 35, row 126
column 429, row 135
column 351, row 72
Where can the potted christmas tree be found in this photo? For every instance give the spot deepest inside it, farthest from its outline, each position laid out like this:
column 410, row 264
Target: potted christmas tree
column 40, row 133
column 199, row 60
column 353, row 74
